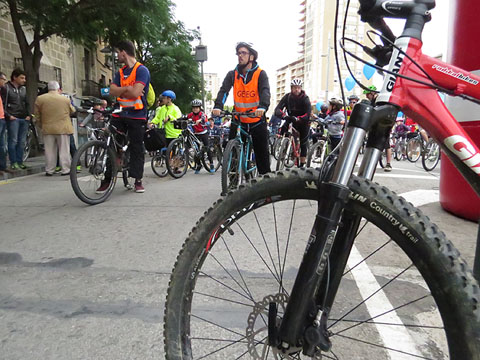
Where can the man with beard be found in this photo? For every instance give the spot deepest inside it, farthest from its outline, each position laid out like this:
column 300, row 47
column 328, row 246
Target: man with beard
column 251, row 92
column 295, row 108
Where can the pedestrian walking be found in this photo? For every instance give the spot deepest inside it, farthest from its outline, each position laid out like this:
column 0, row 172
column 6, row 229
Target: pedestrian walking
column 17, row 116
column 52, row 111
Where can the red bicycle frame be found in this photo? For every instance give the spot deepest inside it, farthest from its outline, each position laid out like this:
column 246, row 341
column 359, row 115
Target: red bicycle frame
column 423, row 103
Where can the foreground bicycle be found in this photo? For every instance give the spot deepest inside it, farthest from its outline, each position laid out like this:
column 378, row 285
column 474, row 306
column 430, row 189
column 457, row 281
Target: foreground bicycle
column 100, row 161
column 372, row 279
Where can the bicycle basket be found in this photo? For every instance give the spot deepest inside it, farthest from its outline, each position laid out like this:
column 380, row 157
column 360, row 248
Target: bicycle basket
column 180, row 124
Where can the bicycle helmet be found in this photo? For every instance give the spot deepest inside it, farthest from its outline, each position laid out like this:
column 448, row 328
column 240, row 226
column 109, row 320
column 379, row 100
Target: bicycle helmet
column 324, row 107
column 250, row 48
column 196, row 103
column 296, row 82
column 337, row 102
column 170, row 94
column 371, row 88
column 353, row 97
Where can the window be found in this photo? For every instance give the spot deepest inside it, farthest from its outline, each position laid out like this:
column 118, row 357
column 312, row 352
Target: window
column 58, row 75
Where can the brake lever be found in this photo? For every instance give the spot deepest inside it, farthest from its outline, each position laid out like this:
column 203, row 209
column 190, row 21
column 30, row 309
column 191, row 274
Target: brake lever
column 381, row 53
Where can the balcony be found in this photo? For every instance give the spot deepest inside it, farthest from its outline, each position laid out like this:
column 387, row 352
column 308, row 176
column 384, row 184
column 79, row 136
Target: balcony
column 91, row 88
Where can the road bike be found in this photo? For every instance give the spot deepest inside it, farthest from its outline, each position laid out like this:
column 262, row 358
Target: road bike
column 289, row 152
column 100, row 160
column 238, row 164
column 187, row 150
column 373, row 278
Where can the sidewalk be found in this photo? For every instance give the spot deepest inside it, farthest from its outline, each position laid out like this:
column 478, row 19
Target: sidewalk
column 35, row 165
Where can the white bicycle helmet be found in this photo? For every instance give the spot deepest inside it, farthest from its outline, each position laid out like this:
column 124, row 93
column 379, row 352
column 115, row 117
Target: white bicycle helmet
column 196, row 103
column 296, row 82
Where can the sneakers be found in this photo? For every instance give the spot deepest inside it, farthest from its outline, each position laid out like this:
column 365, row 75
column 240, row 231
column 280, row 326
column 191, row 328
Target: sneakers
column 58, row 169
column 79, row 168
column 387, row 168
column 15, row 166
column 22, row 166
column 103, row 187
column 48, row 174
column 139, row 187
column 212, row 168
column 197, row 171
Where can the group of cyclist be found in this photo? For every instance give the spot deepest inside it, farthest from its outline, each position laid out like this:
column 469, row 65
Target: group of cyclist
column 251, row 93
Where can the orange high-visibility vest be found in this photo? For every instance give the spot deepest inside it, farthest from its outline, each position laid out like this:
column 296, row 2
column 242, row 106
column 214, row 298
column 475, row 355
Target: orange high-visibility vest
column 137, row 103
column 246, row 96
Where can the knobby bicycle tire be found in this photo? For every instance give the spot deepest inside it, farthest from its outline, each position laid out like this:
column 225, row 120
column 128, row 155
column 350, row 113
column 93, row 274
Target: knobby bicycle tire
column 159, row 165
column 215, row 309
column 230, row 166
column 276, row 147
column 431, row 155
column 177, row 159
column 86, row 181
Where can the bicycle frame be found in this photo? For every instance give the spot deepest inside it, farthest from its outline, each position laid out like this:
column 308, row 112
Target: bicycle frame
column 316, row 284
column 435, row 118
column 245, row 151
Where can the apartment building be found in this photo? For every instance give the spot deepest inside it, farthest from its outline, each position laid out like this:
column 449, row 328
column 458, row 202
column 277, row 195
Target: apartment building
column 212, row 86
column 317, row 57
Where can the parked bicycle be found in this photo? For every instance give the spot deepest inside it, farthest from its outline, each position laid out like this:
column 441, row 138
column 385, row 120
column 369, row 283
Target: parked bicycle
column 32, row 144
column 238, row 158
column 187, row 150
column 100, row 161
column 373, row 278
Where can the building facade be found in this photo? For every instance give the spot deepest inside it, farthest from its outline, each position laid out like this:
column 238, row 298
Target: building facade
column 317, row 57
column 79, row 70
column 212, row 86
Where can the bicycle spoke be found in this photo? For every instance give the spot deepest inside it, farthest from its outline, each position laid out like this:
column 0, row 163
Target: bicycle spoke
column 225, row 285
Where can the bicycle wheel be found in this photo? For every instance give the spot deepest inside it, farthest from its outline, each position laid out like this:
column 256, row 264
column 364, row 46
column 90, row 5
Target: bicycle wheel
column 431, row 155
column 125, row 169
column 276, row 147
column 399, row 151
column 316, row 154
column 28, row 145
column 159, row 164
column 177, row 159
column 231, row 166
column 414, row 149
column 284, row 154
column 405, row 291
column 94, row 183
column 216, row 158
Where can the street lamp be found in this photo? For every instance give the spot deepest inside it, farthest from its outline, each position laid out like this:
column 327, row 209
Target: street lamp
column 327, row 55
column 201, row 56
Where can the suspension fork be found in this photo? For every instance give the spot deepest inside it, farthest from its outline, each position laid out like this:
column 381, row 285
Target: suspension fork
column 304, row 321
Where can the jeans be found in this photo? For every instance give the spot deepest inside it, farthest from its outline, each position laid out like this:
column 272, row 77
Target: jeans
column 3, row 155
column 16, row 134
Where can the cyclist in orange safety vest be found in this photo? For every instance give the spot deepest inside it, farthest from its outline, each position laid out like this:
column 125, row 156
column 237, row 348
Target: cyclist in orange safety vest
column 251, row 91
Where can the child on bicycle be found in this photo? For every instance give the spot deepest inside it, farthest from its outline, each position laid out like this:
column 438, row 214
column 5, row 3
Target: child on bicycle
column 200, row 127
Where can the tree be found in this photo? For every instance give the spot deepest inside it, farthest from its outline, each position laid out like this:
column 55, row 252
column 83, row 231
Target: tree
column 166, row 51
column 82, row 21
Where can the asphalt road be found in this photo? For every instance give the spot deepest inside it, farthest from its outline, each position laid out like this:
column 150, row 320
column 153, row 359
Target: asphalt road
column 89, row 282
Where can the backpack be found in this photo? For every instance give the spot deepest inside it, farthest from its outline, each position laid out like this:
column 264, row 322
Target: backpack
column 150, row 95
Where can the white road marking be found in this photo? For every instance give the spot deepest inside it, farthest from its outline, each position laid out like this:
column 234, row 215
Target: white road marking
column 394, row 337
column 407, row 176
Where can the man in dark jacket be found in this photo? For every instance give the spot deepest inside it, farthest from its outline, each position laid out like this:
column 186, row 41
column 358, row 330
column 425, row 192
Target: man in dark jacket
column 17, row 117
column 251, row 92
column 295, row 108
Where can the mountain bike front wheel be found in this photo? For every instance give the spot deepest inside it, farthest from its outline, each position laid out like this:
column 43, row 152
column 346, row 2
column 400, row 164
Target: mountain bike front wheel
column 95, row 179
column 405, row 291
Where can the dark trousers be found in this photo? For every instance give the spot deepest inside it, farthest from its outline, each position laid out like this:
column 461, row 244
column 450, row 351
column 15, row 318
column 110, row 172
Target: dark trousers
column 204, row 139
column 136, row 131
column 259, row 133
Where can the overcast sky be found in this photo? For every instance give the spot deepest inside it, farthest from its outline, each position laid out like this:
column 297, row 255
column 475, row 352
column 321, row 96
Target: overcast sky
column 273, row 26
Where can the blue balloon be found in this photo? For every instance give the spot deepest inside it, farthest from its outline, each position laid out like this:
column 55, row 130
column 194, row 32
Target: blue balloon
column 368, row 71
column 318, row 105
column 400, row 114
column 349, row 83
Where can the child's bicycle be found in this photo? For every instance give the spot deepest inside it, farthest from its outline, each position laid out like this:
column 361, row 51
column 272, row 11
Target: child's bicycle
column 373, row 278
column 187, row 150
column 100, row 160
column 238, row 164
